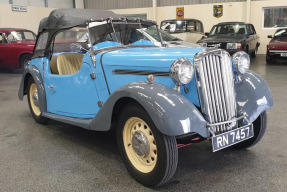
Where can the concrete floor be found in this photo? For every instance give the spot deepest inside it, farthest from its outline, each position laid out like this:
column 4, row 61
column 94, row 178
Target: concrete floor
column 60, row 157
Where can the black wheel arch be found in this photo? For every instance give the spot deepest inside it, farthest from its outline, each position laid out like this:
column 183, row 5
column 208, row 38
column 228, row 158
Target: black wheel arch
column 20, row 57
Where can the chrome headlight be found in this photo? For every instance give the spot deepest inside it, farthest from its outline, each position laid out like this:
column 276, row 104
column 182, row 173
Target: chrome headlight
column 233, row 46
column 181, row 71
column 241, row 61
column 202, row 44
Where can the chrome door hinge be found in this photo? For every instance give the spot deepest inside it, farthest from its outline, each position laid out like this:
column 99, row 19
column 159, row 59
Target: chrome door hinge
column 93, row 75
column 100, row 103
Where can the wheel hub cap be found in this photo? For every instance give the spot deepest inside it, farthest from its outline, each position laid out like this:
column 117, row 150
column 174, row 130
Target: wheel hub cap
column 36, row 99
column 140, row 144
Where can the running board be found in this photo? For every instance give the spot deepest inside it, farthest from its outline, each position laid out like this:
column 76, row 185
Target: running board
column 84, row 123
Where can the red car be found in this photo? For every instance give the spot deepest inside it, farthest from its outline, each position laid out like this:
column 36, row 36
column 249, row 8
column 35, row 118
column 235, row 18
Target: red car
column 16, row 47
column 277, row 47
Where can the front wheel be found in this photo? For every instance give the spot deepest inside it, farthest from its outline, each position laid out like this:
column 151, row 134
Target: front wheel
column 150, row 156
column 259, row 126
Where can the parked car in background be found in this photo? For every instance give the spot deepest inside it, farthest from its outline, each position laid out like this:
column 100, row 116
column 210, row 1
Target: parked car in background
column 190, row 30
column 157, row 98
column 233, row 37
column 277, row 47
column 16, row 47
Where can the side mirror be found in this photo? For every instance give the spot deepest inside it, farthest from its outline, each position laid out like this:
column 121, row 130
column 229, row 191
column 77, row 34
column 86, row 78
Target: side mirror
column 269, row 36
column 207, row 34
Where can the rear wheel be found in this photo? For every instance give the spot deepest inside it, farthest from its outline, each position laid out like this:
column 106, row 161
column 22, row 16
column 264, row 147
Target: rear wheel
column 150, row 157
column 254, row 53
column 33, row 101
column 24, row 61
column 259, row 126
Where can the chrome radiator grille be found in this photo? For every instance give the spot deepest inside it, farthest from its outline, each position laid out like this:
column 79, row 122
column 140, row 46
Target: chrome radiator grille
column 215, row 83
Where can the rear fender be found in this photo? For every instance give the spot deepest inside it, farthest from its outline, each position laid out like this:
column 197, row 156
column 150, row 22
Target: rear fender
column 32, row 71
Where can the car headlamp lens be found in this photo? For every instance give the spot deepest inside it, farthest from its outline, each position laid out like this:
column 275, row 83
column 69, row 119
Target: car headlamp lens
column 181, row 71
column 233, row 46
column 241, row 61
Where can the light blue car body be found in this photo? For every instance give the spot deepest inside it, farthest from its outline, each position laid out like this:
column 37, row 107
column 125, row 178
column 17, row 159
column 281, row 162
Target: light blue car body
column 75, row 98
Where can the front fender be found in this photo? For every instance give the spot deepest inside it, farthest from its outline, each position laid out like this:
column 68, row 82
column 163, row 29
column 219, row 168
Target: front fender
column 35, row 73
column 171, row 112
column 253, row 96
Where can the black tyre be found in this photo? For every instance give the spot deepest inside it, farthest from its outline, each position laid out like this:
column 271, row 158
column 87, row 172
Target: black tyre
column 24, row 60
column 246, row 50
column 150, row 157
column 259, row 126
column 268, row 60
column 254, row 53
column 33, row 102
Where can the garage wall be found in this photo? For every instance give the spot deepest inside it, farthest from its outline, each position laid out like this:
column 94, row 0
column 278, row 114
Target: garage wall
column 256, row 17
column 28, row 20
column 235, row 11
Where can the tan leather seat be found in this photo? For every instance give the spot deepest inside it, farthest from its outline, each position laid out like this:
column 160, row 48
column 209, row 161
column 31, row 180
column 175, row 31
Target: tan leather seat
column 69, row 63
column 53, row 65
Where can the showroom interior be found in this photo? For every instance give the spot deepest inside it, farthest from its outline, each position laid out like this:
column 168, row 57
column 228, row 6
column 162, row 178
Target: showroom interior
column 148, row 95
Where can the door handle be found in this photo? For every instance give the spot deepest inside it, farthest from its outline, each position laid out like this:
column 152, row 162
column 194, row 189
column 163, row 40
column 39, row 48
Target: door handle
column 50, row 87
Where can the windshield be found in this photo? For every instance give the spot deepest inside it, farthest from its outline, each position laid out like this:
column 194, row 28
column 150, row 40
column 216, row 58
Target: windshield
column 124, row 33
column 281, row 34
column 21, row 36
column 229, row 29
column 152, row 31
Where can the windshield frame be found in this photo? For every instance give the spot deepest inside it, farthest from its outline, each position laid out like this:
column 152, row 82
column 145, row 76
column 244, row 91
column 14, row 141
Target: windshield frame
column 122, row 21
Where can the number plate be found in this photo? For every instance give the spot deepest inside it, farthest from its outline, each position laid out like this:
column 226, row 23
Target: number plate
column 232, row 137
column 283, row 54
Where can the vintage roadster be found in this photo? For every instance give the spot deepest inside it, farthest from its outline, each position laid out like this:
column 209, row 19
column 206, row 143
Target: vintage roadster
column 159, row 98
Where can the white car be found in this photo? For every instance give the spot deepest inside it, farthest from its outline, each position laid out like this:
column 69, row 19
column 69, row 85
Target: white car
column 190, row 30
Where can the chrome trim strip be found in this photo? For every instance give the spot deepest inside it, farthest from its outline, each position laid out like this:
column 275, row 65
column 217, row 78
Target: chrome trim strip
column 278, row 51
column 140, row 72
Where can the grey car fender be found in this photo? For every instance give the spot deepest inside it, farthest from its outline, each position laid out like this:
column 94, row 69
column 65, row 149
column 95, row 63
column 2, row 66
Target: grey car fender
column 253, row 96
column 35, row 73
column 171, row 112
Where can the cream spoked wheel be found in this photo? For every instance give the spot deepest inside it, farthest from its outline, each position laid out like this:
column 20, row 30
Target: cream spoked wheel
column 34, row 99
column 149, row 155
column 140, row 144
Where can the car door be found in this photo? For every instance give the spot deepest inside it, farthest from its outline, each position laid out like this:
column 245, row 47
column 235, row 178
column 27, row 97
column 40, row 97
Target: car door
column 5, row 49
column 255, row 36
column 73, row 95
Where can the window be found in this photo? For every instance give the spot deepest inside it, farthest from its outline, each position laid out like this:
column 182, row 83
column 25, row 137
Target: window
column 174, row 26
column 198, row 26
column 21, row 36
column 65, row 41
column 42, row 41
column 274, row 17
column 1, row 38
column 190, row 26
column 229, row 29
